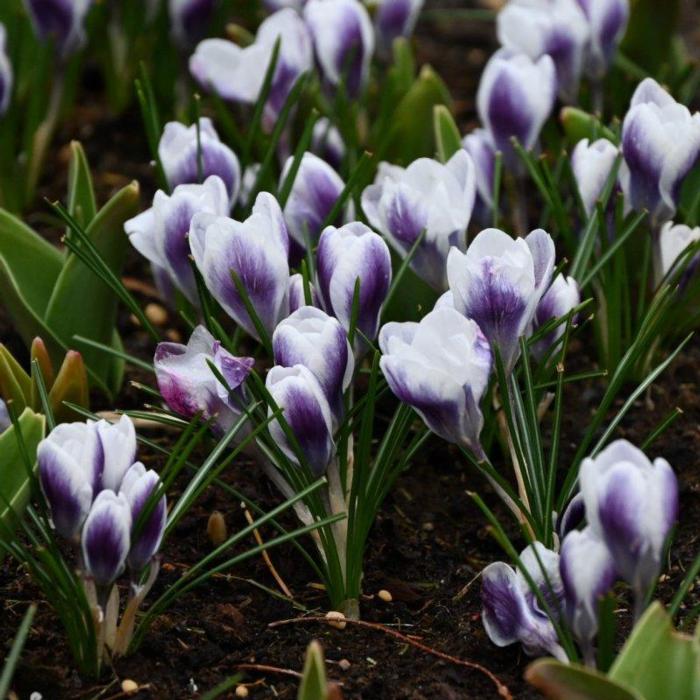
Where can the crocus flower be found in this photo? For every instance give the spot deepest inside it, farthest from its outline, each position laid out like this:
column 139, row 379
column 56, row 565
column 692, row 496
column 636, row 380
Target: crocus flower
column 5, row 73
column 274, row 5
column 305, row 408
column 441, row 368
column 137, row 487
column 426, row 197
column 327, row 143
column 592, row 164
column 512, row 613
column 70, row 464
column 562, row 296
column 254, row 250
column 118, row 441
column 160, row 233
column 237, row 73
column 607, row 21
column 189, row 19
column 556, row 28
column 297, row 295
column 660, row 144
column 106, row 537
column 673, row 240
column 311, row 338
column 479, row 146
column 394, row 19
column 61, row 21
column 345, row 255
column 189, row 386
column 515, row 98
column 5, row 420
column 499, row 281
column 631, row 505
column 343, row 41
column 315, row 191
column 179, row 151
column 588, row 573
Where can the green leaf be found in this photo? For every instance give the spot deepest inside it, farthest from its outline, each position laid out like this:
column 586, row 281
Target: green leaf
column 313, row 681
column 81, row 195
column 446, row 133
column 582, row 125
column 17, row 646
column 82, row 303
column 15, row 384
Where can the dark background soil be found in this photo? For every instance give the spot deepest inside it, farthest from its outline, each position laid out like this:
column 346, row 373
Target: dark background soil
column 427, row 547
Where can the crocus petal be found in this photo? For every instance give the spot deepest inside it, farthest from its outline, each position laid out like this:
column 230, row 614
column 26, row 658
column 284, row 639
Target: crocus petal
column 673, row 240
column 61, row 21
column 118, row 442
column 607, row 21
column 6, row 75
column 189, row 19
column 394, row 19
column 592, row 164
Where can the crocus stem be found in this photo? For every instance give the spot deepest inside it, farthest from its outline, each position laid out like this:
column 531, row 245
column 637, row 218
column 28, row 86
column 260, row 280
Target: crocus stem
column 516, row 194
column 337, row 504
column 597, row 98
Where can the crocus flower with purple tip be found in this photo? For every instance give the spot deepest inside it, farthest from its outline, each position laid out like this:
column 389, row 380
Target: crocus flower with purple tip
column 189, row 19
column 588, row 573
column 160, row 233
column 562, row 296
column 189, row 386
column 394, row 19
column 556, row 28
column 479, row 146
column 499, row 282
column 592, row 164
column 631, row 505
column 297, row 294
column 428, row 198
column 327, row 143
column 512, row 613
column 441, row 368
column 515, row 98
column 660, row 144
column 70, row 462
column 311, row 338
column 256, row 251
column 118, row 441
column 673, row 240
column 343, row 41
column 106, row 538
column 60, row 21
column 607, row 21
column 6, row 78
column 315, row 191
column 180, row 149
column 345, row 256
column 306, row 411
column 137, row 488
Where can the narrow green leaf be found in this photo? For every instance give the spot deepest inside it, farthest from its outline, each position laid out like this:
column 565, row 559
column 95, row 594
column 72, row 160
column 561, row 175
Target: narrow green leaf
column 314, row 685
column 81, row 194
column 447, row 137
column 17, row 646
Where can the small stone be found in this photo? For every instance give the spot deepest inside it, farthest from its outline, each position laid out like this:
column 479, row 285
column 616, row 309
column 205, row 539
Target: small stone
column 216, row 528
column 344, row 664
column 156, row 314
column 428, row 527
column 385, row 596
column 173, row 335
column 241, row 691
column 336, row 619
column 129, row 687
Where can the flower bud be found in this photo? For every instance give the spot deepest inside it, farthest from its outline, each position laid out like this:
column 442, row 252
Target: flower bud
column 6, row 77
column 118, row 442
column 562, row 296
column 297, row 295
column 394, row 19
column 592, row 164
column 673, row 240
column 607, row 21
column 327, row 143
column 479, row 146
column 190, row 19
column 60, row 21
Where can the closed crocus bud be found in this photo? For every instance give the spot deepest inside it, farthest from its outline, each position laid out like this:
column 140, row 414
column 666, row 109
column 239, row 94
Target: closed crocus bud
column 515, row 98
column 631, row 504
column 427, row 197
column 305, row 408
column 311, row 338
column 499, row 282
column 588, row 573
column 327, row 143
column 160, row 233
column 250, row 175
column 255, row 251
column 607, row 21
column 106, row 537
column 343, row 41
column 479, row 146
column 298, row 296
column 118, row 442
column 394, row 19
column 189, row 386
column 511, row 612
column 137, row 488
column 660, row 144
column 345, row 256
column 237, row 73
column 441, row 368
column 673, row 240
column 189, row 19
column 315, row 191
column 592, row 164
column 557, row 28
column 5, row 73
column 70, row 466
column 179, row 151
column 60, row 21
column 562, row 296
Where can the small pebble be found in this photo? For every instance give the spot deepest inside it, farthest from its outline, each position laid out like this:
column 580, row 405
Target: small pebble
column 344, row 664
column 129, row 687
column 216, row 528
column 173, row 335
column 241, row 691
column 385, row 596
column 156, row 314
column 428, row 527
column 336, row 619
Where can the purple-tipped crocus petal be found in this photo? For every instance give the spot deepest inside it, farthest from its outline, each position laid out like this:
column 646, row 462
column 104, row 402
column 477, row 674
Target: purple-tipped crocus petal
column 6, row 75
column 327, row 143
column 607, row 21
column 394, row 19
column 297, row 294
column 189, row 19
column 592, row 164
column 60, row 21
column 562, row 296
column 118, row 442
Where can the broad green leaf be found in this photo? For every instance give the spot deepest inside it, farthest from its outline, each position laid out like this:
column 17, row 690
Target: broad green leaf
column 82, row 303
column 15, row 384
column 313, row 681
column 559, row 681
column 650, row 32
column 446, row 133
column 81, row 195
